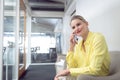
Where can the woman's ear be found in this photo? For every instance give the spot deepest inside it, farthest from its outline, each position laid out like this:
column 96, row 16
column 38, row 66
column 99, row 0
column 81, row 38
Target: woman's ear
column 87, row 23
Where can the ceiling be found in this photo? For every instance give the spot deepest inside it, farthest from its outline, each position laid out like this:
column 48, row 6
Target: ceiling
column 47, row 5
column 47, row 24
column 41, row 24
column 39, row 5
column 44, row 7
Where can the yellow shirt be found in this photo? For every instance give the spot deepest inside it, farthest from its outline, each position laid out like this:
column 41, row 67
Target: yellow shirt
column 93, row 60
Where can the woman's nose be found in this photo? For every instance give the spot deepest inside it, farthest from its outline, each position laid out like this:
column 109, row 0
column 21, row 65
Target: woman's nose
column 75, row 30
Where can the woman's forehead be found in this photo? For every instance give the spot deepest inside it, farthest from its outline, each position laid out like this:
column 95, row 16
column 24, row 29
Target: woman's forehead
column 76, row 21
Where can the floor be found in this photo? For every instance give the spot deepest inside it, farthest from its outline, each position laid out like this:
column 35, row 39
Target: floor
column 40, row 72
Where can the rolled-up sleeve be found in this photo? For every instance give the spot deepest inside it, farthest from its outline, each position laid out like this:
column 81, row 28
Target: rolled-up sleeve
column 70, row 60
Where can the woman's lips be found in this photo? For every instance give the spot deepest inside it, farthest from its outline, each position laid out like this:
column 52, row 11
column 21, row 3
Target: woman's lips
column 78, row 31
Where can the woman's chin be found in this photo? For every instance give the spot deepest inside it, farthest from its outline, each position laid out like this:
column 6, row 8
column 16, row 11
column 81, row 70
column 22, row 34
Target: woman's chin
column 79, row 34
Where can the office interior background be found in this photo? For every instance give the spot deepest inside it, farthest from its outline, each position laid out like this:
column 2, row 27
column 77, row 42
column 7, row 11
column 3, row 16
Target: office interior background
column 32, row 30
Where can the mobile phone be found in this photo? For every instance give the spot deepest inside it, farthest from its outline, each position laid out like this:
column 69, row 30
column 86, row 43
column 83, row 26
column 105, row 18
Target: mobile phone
column 75, row 38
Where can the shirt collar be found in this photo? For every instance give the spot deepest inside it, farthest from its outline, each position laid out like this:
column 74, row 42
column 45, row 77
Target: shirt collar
column 88, row 37
column 87, row 40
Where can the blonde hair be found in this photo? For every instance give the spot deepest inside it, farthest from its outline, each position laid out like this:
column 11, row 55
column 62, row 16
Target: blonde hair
column 78, row 17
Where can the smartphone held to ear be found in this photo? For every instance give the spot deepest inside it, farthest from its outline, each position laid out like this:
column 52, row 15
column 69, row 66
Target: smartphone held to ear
column 76, row 38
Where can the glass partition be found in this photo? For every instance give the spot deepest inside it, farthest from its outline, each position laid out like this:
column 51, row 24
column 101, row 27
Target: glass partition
column 21, row 41
column 45, row 47
column 9, row 39
column 12, row 43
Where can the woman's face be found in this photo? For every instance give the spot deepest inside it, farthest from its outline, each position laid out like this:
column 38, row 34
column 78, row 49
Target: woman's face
column 79, row 27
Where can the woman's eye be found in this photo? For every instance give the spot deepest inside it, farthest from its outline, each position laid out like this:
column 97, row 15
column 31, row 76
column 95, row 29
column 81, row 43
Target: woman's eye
column 73, row 27
column 78, row 24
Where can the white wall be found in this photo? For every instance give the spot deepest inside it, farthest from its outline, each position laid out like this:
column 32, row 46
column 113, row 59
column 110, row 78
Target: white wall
column 66, row 34
column 59, row 26
column 104, row 17
column 66, row 30
column 108, row 23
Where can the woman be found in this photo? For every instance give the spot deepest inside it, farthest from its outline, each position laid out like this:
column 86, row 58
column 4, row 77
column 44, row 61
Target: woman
column 90, row 55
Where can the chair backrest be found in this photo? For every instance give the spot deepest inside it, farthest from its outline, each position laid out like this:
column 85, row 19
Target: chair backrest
column 115, row 62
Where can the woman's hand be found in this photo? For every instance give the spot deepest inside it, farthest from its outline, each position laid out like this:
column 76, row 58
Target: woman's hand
column 56, row 78
column 72, row 42
column 62, row 73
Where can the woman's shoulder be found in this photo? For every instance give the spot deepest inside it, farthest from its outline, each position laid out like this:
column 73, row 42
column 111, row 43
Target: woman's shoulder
column 98, row 36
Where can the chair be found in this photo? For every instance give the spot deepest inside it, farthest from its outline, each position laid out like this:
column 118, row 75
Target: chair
column 114, row 70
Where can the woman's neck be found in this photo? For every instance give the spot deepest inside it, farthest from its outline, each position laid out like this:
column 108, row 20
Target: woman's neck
column 85, row 35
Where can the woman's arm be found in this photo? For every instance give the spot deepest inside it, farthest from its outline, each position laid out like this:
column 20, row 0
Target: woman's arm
column 97, row 59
